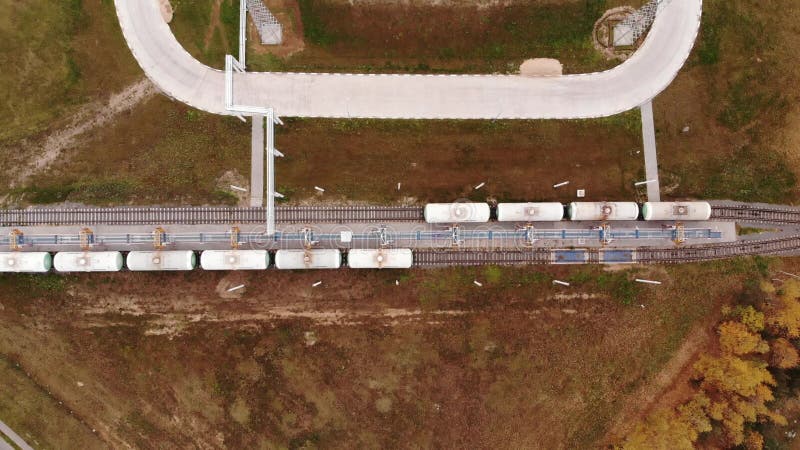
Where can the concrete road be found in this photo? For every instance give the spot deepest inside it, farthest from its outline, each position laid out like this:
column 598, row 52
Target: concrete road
column 15, row 438
column 649, row 71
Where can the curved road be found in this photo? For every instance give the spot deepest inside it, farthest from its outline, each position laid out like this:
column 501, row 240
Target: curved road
column 648, row 72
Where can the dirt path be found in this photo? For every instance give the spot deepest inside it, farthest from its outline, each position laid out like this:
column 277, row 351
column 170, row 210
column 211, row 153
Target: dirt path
column 88, row 118
column 214, row 24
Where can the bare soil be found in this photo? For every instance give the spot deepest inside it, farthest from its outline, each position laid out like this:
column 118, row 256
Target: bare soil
column 170, row 360
column 88, row 118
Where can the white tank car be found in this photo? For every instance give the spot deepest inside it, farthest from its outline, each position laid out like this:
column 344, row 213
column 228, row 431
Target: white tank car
column 25, row 262
column 322, row 258
column 599, row 211
column 234, row 260
column 676, row 211
column 88, row 261
column 388, row 258
column 530, row 212
column 164, row 260
column 456, row 212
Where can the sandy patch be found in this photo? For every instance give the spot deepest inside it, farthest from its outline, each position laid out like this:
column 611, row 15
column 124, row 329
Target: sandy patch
column 88, row 118
column 541, row 67
column 166, row 10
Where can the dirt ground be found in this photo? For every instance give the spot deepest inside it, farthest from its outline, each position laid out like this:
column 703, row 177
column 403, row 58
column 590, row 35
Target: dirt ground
column 154, row 360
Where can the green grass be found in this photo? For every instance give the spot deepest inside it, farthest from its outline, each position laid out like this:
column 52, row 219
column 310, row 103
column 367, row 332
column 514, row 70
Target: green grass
column 36, row 416
column 765, row 177
column 88, row 190
column 40, row 77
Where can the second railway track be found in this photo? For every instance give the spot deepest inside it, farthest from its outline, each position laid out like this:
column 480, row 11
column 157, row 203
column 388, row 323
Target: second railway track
column 207, row 215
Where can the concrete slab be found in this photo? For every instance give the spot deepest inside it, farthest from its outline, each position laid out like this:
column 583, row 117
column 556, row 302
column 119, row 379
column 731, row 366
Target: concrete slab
column 257, row 163
column 650, row 156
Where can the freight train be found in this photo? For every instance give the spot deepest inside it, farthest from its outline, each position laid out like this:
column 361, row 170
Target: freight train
column 452, row 213
column 182, row 260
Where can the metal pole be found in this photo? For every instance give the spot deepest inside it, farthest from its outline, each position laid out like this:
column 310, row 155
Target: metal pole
column 270, row 172
column 242, row 31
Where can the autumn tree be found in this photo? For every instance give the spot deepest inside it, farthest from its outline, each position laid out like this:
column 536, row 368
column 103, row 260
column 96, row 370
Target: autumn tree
column 751, row 318
column 753, row 441
column 672, row 430
column 736, row 338
column 783, row 317
column 663, row 430
column 783, row 354
column 739, row 390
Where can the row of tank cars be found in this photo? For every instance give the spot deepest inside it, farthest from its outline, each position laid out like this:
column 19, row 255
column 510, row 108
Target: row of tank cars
column 398, row 258
column 177, row 260
column 449, row 213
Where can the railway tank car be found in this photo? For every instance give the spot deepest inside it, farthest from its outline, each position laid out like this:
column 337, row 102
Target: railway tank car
column 457, row 212
column 530, row 212
column 88, row 261
column 388, row 258
column 322, row 258
column 602, row 211
column 234, row 260
column 676, row 211
column 140, row 261
column 25, row 262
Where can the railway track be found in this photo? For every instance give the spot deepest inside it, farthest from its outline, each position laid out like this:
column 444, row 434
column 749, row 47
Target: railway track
column 644, row 255
column 305, row 214
column 753, row 213
column 439, row 258
column 208, row 215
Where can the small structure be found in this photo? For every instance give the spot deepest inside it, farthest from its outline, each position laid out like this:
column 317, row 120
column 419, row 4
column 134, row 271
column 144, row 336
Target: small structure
column 269, row 29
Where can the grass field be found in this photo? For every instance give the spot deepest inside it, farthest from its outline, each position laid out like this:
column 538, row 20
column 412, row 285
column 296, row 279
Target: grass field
column 739, row 113
column 405, row 38
column 358, row 362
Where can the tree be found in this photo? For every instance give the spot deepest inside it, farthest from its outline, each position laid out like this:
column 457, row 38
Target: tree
column 731, row 375
column 783, row 318
column 753, row 440
column 783, row 354
column 736, row 338
column 693, row 413
column 753, row 319
column 739, row 390
column 662, row 430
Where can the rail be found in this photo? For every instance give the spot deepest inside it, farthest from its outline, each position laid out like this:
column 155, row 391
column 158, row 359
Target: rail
column 776, row 214
column 208, row 215
column 643, row 255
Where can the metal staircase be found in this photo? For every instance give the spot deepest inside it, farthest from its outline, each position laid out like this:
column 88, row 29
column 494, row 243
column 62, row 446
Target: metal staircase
column 269, row 29
column 635, row 25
